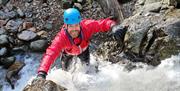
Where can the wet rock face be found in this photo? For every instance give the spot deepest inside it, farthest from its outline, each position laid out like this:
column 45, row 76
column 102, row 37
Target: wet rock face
column 43, row 85
column 171, row 44
column 109, row 50
column 145, row 44
column 151, row 36
column 173, row 29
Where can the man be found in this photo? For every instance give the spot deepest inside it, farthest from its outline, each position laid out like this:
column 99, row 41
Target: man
column 73, row 40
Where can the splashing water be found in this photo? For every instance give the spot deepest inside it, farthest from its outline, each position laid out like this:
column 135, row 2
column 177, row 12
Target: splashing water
column 111, row 77
column 28, row 71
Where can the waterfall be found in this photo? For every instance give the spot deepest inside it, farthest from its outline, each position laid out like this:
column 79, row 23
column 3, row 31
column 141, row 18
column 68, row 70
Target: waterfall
column 110, row 77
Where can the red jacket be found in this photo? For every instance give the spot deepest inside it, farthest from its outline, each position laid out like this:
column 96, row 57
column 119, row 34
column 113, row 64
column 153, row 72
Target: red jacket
column 62, row 42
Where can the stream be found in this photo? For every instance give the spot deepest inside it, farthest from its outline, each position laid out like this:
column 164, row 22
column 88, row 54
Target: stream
column 110, row 77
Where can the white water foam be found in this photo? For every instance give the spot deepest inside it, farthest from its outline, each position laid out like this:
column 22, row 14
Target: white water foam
column 28, row 71
column 111, row 77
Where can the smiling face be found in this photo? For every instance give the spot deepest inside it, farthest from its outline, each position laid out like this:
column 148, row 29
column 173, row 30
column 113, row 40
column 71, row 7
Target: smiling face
column 73, row 30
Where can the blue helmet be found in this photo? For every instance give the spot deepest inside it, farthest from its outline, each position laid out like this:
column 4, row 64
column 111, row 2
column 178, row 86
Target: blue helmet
column 72, row 16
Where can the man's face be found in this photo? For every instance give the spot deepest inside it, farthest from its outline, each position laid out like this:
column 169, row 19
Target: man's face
column 73, row 30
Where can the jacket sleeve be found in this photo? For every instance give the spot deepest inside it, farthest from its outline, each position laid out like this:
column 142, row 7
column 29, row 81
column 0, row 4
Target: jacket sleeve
column 101, row 25
column 52, row 52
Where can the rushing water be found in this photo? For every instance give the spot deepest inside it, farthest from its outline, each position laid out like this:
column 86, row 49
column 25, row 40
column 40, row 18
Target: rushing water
column 111, row 77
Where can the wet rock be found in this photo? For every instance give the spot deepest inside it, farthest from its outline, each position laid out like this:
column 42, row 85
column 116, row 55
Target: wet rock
column 20, row 12
column 11, row 41
column 78, row 6
column 4, row 40
column 45, row 17
column 44, row 1
column 138, row 33
column 66, row 4
column 11, row 14
column 153, row 7
column 153, row 60
column 153, row 36
column 39, row 45
column 13, row 25
column 9, row 7
column 12, row 73
column 19, row 42
column 173, row 29
column 169, row 45
column 144, row 35
column 27, row 25
column 2, row 23
column 170, row 2
column 43, row 85
column 109, row 50
column 20, row 49
column 152, row 1
column 4, row 2
column 27, row 35
column 28, row 14
column 150, row 59
column 29, row 1
column 32, row 29
column 7, row 62
column 82, row 1
column 2, row 15
column 130, row 67
column 112, row 11
column 2, row 31
column 3, row 51
column 141, row 2
column 43, row 34
column 48, row 26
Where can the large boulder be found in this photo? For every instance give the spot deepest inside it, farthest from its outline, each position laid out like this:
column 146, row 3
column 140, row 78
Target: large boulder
column 43, row 85
column 153, row 37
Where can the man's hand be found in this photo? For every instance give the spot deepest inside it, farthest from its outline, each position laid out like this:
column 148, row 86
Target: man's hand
column 42, row 74
column 118, row 32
